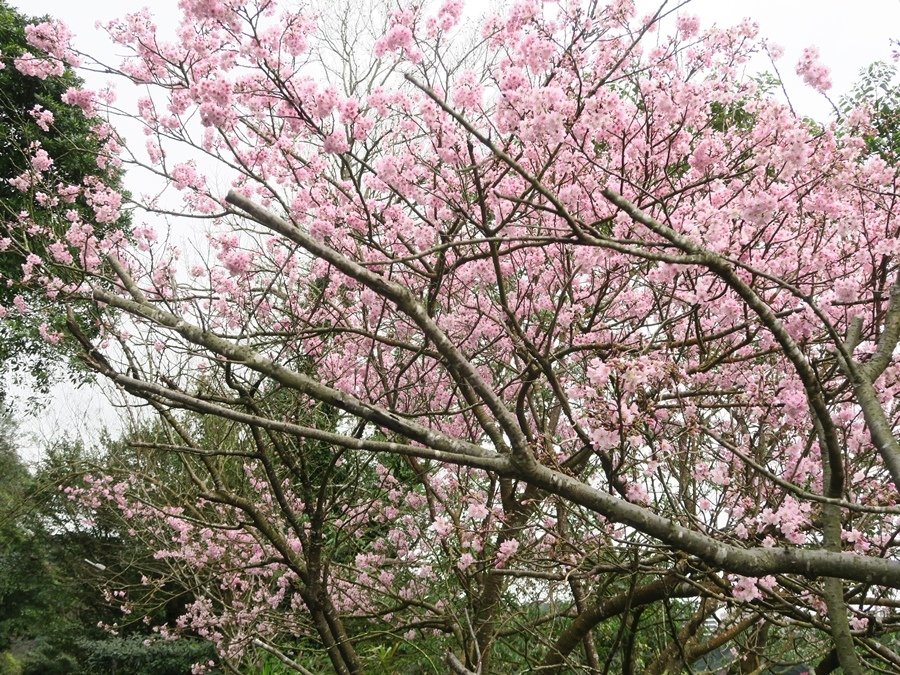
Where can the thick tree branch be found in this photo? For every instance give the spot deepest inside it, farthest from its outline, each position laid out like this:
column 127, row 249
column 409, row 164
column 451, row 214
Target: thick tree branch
column 407, row 303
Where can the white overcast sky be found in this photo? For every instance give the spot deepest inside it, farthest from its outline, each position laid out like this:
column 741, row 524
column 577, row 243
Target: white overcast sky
column 849, row 36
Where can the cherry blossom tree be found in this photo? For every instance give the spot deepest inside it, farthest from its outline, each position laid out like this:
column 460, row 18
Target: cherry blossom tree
column 521, row 338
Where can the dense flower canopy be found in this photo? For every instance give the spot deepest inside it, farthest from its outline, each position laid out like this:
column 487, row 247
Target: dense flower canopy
column 505, row 324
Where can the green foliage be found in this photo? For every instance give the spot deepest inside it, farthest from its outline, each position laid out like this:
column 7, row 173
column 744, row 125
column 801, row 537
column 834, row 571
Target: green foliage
column 44, row 597
column 272, row 666
column 47, row 658
column 22, row 589
column 734, row 116
column 879, row 89
column 139, row 656
column 72, row 145
column 9, row 664
column 50, row 595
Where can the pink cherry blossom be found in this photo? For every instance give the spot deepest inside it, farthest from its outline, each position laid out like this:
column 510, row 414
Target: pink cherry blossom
column 540, row 329
column 812, row 71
